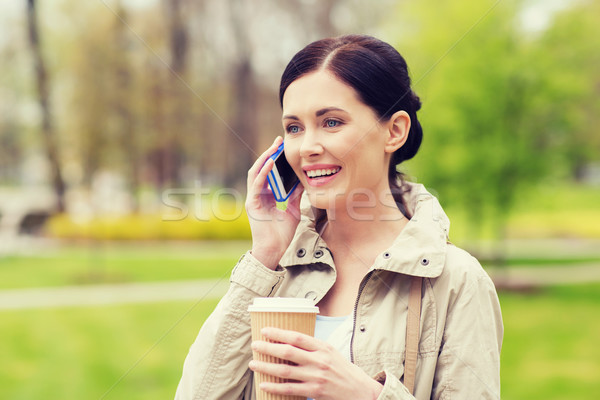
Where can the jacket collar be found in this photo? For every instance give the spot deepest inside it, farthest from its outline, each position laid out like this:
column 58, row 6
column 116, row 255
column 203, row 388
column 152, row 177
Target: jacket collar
column 419, row 250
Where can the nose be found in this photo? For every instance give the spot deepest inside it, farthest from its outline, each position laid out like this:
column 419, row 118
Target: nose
column 311, row 145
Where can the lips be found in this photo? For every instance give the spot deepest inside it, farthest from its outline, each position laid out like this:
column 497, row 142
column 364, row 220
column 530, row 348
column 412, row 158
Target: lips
column 321, row 174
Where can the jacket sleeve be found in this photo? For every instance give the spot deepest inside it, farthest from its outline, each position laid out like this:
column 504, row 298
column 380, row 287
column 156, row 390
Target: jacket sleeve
column 216, row 366
column 469, row 359
column 393, row 389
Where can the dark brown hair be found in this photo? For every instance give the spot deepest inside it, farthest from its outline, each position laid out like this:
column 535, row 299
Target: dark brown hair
column 379, row 74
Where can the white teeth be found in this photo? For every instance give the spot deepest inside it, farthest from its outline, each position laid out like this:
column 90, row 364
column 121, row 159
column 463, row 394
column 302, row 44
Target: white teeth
column 316, row 173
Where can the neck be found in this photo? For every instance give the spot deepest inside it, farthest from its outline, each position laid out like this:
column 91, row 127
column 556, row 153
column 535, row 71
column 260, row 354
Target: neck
column 365, row 221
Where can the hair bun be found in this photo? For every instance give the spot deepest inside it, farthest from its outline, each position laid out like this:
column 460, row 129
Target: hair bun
column 415, row 100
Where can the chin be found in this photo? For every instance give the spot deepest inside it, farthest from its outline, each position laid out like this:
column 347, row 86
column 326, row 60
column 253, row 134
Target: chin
column 326, row 199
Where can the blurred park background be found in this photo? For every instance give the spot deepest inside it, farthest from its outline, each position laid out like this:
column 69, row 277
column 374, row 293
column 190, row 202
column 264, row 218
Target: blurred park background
column 127, row 128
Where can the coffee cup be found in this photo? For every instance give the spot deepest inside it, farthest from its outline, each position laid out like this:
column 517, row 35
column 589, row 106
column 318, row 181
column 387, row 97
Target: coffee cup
column 295, row 314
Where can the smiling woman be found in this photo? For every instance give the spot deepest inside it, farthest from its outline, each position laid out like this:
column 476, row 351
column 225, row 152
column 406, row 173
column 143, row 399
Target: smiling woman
column 349, row 138
column 368, row 72
column 404, row 313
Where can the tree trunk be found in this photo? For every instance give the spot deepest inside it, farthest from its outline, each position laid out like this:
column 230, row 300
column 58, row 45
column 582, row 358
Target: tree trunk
column 49, row 136
column 179, row 93
column 122, row 104
column 242, row 149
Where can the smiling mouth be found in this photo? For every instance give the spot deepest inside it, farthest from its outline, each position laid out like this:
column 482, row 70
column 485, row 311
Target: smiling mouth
column 322, row 173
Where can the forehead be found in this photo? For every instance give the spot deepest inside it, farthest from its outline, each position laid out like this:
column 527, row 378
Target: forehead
column 316, row 90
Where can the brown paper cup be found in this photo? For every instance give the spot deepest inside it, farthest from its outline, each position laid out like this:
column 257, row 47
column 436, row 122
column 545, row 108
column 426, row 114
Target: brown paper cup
column 280, row 312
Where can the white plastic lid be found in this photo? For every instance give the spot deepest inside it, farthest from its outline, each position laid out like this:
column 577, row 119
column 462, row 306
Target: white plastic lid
column 283, row 304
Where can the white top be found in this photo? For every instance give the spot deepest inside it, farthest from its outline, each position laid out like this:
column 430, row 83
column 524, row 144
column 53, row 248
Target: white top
column 336, row 331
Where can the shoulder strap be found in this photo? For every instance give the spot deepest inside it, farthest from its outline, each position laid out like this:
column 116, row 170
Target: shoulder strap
column 413, row 325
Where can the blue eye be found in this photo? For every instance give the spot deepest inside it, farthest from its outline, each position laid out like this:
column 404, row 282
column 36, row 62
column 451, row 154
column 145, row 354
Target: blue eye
column 293, row 129
column 332, row 123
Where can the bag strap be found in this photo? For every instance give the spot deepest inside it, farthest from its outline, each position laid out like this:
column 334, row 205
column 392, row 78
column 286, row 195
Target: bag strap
column 413, row 325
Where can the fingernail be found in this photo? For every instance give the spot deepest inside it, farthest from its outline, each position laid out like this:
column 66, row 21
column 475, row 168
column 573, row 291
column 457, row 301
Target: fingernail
column 254, row 345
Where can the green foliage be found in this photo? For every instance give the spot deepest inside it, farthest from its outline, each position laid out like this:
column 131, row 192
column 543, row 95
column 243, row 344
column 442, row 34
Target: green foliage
column 568, row 57
column 568, row 211
column 503, row 107
column 552, row 210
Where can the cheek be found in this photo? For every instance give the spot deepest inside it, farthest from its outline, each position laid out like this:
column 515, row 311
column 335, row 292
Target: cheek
column 367, row 160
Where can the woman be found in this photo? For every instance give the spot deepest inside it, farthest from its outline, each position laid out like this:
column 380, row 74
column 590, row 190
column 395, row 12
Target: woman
column 361, row 244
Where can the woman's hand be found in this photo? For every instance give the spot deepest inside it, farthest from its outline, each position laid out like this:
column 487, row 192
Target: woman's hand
column 272, row 228
column 321, row 371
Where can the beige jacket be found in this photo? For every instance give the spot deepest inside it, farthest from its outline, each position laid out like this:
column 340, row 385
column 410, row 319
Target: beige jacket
column 461, row 323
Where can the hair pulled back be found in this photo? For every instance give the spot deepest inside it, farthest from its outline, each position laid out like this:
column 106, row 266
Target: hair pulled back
column 378, row 73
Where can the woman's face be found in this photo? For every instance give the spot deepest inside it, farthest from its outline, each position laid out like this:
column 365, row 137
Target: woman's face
column 334, row 142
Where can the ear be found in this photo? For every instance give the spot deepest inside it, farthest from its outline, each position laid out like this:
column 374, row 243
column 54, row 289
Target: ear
column 398, row 127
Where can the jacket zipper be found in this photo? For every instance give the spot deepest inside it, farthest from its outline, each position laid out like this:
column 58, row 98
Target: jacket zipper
column 360, row 289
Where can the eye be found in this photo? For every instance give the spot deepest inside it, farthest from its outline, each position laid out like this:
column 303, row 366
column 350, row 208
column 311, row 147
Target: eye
column 292, row 129
column 332, row 123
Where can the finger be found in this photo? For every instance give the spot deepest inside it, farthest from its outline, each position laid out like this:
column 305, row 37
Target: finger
column 293, row 338
column 257, row 178
column 287, row 388
column 258, row 164
column 298, row 382
column 285, row 371
column 282, row 351
column 257, row 185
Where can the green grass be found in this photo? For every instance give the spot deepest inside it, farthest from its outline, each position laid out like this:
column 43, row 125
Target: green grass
column 550, row 348
column 111, row 262
column 114, row 262
column 81, row 353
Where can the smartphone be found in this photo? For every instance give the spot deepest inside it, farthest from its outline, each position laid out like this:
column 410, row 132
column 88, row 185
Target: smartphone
column 282, row 178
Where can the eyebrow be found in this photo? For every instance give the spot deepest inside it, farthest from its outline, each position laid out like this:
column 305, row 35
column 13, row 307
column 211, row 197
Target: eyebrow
column 318, row 113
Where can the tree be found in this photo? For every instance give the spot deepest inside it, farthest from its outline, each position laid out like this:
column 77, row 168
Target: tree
column 11, row 144
column 568, row 53
column 178, row 93
column 243, row 141
column 43, row 85
column 492, row 128
column 123, row 96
